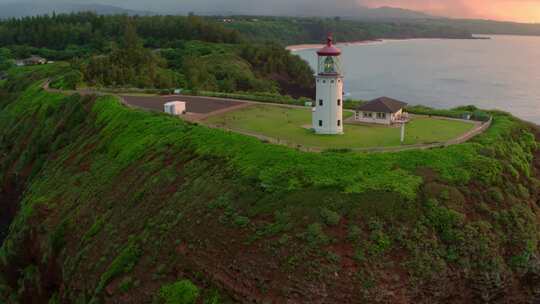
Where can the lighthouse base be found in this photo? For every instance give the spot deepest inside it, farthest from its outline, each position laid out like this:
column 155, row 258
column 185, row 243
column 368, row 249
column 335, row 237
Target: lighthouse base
column 328, row 132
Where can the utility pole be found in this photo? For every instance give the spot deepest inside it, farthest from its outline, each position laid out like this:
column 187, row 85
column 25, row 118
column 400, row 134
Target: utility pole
column 402, row 133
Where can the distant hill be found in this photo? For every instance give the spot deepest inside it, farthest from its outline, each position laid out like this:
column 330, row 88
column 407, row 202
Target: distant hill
column 496, row 27
column 32, row 8
column 355, row 12
column 484, row 27
column 389, row 13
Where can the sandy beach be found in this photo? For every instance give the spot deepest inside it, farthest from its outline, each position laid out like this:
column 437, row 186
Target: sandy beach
column 301, row 47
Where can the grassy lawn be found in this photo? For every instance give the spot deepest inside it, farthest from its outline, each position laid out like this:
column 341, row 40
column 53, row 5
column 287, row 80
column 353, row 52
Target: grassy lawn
column 287, row 124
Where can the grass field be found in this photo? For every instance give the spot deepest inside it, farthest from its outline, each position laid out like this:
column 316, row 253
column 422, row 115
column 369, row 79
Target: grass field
column 288, row 124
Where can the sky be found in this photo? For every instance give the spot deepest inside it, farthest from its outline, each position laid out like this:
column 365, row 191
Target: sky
column 512, row 10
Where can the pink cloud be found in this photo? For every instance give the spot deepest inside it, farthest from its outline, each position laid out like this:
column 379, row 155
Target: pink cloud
column 521, row 10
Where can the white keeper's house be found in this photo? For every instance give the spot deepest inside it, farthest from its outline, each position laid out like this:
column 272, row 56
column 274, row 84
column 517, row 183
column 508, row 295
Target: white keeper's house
column 382, row 110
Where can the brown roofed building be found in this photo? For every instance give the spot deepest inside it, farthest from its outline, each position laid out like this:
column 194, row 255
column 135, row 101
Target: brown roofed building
column 382, row 110
column 32, row 60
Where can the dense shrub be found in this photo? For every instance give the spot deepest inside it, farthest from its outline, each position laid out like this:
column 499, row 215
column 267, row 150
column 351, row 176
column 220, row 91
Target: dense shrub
column 6, row 59
column 380, row 242
column 57, row 238
column 315, row 235
column 256, row 96
column 68, row 81
column 480, row 115
column 460, row 112
column 123, row 263
column 522, row 191
column 444, row 220
column 129, row 64
column 496, row 194
column 330, row 218
column 181, row 292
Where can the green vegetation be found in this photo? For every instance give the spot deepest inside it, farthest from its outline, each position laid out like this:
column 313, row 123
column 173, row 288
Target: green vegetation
column 488, row 27
column 260, row 97
column 181, row 292
column 163, row 52
column 460, row 112
column 87, row 32
column 330, row 217
column 123, row 263
column 68, row 81
column 6, row 59
column 292, row 125
column 309, row 30
column 118, row 200
column 130, row 64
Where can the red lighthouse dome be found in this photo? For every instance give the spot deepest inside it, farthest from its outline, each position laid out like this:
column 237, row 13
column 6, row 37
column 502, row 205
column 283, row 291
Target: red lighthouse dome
column 329, row 49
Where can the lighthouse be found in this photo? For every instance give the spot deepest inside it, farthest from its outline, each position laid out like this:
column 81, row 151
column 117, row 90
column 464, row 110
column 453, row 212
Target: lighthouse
column 327, row 117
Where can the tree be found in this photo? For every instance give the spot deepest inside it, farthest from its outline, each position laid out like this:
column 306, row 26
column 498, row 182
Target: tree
column 129, row 64
column 6, row 59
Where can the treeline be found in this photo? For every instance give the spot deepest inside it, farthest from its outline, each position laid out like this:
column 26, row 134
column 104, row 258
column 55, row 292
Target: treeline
column 128, row 64
column 492, row 27
column 166, row 52
column 288, row 30
column 58, row 32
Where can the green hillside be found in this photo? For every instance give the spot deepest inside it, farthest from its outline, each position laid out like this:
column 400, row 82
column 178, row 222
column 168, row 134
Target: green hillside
column 156, row 52
column 125, row 206
column 288, row 30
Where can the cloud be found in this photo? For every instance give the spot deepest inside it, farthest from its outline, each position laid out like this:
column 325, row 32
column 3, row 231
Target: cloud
column 519, row 10
column 440, row 7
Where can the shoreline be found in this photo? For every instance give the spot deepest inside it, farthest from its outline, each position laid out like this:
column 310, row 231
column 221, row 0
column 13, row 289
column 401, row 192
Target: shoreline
column 307, row 46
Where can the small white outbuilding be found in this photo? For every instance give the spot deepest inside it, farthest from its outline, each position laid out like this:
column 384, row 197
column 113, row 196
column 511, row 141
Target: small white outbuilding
column 175, row 107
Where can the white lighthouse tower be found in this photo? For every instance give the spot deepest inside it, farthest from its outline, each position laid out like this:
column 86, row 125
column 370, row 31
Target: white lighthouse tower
column 328, row 111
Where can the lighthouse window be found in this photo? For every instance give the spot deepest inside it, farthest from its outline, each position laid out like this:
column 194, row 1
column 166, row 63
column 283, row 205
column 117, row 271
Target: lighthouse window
column 320, row 102
column 324, row 81
column 320, row 123
column 331, row 81
column 329, row 65
column 339, row 123
column 339, row 102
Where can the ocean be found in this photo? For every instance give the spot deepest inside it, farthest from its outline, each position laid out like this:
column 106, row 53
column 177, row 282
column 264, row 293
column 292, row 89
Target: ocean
column 498, row 73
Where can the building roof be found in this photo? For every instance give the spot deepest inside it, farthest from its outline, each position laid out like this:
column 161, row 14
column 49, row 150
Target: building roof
column 35, row 58
column 175, row 102
column 382, row 105
column 329, row 49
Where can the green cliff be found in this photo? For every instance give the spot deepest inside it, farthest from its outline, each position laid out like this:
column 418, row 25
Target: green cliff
column 124, row 206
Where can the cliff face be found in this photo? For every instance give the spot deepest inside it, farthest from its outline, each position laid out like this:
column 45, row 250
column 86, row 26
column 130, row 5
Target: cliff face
column 117, row 203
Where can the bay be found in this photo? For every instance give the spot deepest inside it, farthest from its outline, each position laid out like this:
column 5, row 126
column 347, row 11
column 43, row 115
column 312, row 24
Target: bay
column 498, row 73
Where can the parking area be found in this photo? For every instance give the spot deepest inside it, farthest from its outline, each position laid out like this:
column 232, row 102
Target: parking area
column 194, row 104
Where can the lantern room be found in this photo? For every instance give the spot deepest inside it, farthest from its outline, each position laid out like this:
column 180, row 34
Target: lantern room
column 329, row 62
